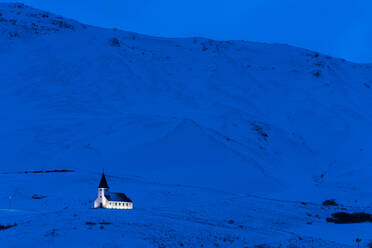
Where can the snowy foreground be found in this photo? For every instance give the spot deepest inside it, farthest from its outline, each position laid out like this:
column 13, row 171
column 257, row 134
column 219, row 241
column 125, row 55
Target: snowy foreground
column 165, row 215
column 218, row 143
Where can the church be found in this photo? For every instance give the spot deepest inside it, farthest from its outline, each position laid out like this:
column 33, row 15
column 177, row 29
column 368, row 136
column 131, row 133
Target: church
column 111, row 200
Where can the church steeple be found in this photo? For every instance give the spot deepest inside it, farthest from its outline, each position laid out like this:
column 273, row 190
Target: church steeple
column 103, row 183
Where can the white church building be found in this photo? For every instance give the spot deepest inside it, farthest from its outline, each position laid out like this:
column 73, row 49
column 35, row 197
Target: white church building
column 111, row 200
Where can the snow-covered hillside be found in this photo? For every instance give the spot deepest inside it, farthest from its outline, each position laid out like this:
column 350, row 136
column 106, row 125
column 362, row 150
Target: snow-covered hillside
column 233, row 117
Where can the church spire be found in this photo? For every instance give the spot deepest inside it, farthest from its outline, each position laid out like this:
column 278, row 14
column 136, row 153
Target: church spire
column 103, row 182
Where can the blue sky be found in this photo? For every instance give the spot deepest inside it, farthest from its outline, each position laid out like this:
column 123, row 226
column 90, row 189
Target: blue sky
column 339, row 28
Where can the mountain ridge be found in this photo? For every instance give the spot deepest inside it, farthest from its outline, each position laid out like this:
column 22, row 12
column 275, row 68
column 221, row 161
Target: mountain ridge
column 82, row 97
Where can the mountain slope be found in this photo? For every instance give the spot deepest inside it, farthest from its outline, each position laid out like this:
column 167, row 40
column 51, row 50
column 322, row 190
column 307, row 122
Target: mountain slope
column 86, row 98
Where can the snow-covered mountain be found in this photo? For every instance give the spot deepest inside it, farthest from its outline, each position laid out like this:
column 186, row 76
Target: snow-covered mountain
column 250, row 118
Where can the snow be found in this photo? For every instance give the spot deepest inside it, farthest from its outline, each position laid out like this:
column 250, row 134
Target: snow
column 164, row 215
column 196, row 132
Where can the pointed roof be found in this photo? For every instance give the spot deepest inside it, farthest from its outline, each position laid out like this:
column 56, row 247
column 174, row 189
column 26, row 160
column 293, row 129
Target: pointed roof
column 103, row 182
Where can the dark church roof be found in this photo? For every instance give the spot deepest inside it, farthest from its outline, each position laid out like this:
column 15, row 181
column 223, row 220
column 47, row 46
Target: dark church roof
column 103, row 182
column 117, row 197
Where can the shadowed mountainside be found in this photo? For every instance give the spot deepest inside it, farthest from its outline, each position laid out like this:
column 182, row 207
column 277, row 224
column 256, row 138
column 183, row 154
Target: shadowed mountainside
column 232, row 115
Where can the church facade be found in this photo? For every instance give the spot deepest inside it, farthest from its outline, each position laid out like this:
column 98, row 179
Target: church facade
column 105, row 199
